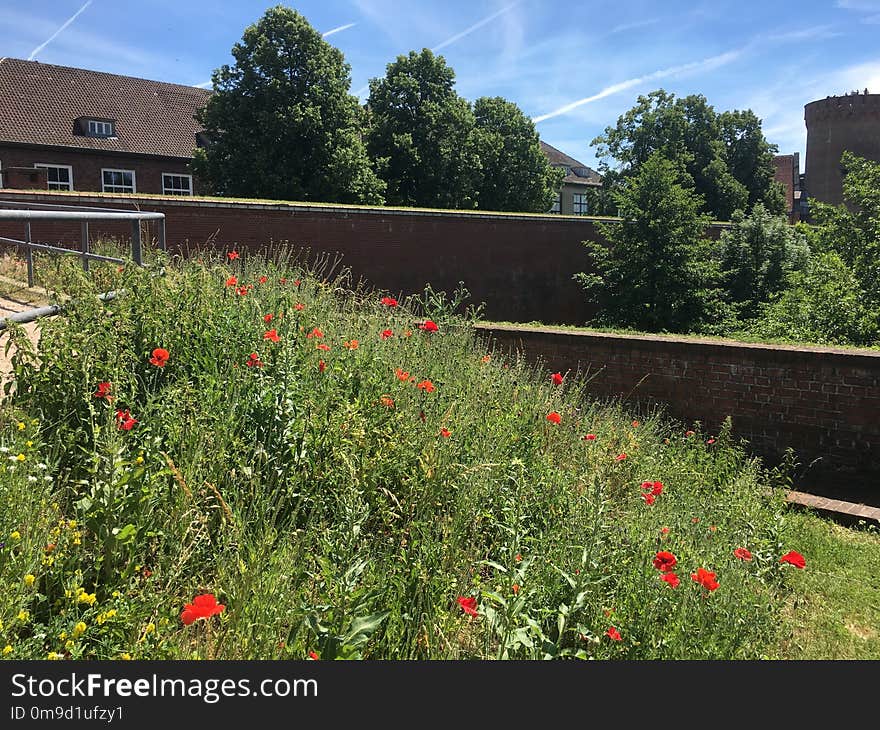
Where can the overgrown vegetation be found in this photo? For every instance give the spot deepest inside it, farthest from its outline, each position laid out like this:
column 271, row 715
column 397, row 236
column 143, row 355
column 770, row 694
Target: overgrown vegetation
column 763, row 279
column 355, row 477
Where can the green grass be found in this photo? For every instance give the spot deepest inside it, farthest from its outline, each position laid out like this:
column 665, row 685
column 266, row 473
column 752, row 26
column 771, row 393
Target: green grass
column 334, row 504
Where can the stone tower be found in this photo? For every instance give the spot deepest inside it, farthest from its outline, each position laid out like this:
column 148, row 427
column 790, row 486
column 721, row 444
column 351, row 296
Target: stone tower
column 834, row 124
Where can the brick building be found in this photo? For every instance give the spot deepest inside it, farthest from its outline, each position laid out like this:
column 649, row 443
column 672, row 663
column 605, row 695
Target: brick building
column 93, row 131
column 787, row 171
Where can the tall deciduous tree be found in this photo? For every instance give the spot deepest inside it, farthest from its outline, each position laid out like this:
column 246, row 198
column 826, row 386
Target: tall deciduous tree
column 281, row 123
column 516, row 174
column 726, row 156
column 655, row 272
column 421, row 134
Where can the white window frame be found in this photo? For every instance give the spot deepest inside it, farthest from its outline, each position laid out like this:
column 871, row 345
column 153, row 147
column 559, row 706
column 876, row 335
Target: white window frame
column 176, row 191
column 47, row 165
column 104, row 185
column 95, row 128
column 578, row 200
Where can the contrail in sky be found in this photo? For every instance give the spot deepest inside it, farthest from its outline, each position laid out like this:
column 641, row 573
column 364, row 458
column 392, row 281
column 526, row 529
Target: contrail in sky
column 338, row 30
column 706, row 63
column 475, row 26
column 58, row 32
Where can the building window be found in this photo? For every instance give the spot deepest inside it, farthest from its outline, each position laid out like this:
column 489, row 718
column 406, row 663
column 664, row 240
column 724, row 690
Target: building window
column 173, row 184
column 95, row 128
column 60, row 177
column 579, row 204
column 557, row 204
column 117, row 181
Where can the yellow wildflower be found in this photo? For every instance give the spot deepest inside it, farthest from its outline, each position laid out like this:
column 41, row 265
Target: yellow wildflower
column 7, row 650
column 116, row 594
column 15, row 535
column 139, row 460
column 21, row 426
column 53, row 656
column 79, row 629
column 21, row 457
column 29, row 580
column 89, row 598
column 28, row 443
column 71, row 524
column 69, row 644
column 125, row 655
column 151, row 627
column 62, row 635
column 24, row 616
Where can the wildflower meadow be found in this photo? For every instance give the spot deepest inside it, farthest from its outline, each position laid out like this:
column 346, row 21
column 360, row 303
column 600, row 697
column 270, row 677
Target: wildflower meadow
column 247, row 457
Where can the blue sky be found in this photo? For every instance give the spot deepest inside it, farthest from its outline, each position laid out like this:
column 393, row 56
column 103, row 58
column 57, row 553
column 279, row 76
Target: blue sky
column 573, row 67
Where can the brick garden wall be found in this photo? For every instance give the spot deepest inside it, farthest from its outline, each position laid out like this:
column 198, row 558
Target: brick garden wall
column 822, row 402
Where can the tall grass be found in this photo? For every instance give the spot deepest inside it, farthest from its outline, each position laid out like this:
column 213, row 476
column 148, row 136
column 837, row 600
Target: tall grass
column 351, row 501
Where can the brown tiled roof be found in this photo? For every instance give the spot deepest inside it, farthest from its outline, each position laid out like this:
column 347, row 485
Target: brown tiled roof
column 559, row 158
column 39, row 103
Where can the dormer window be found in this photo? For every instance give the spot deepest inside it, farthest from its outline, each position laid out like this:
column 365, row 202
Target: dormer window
column 93, row 127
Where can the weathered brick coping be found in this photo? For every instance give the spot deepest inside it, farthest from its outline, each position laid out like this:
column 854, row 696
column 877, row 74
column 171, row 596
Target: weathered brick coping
column 848, row 512
column 873, row 356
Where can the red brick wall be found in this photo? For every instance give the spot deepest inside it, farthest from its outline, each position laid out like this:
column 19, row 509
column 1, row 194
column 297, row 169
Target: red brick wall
column 87, row 166
column 822, row 402
column 520, row 265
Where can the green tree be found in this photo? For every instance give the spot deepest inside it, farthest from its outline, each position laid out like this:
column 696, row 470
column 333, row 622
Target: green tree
column 655, row 272
column 515, row 173
column 725, row 156
column 281, row 123
column 757, row 254
column 824, row 303
column 853, row 230
column 421, row 134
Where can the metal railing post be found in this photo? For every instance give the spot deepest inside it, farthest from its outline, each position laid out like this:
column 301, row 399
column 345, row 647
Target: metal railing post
column 29, row 254
column 160, row 224
column 136, row 252
column 85, row 245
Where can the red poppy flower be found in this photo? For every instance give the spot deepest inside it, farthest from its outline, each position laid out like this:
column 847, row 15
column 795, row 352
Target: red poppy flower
column 103, row 391
column 323, row 347
column 485, row 359
column 620, row 457
column 518, row 558
column 124, row 420
column 468, row 605
column 263, row 279
column 590, row 437
column 232, row 255
column 664, row 531
column 386, row 334
column 613, row 634
column 556, row 378
column 401, row 374
column 695, row 520
column 515, row 588
column 554, row 417
column 654, row 488
column 313, row 655
column 321, row 366
column 253, row 361
column 795, row 559
column 688, row 434
column 282, row 280
column 296, row 282
column 429, row 326
column 636, row 424
column 231, row 281
column 742, row 554
column 271, row 335
column 665, row 561
column 314, row 333
column 160, row 357
column 389, row 301
column 427, row 386
column 351, row 344
column 445, row 433
column 705, row 578
column 203, row 606
column 671, row 579
column 299, row 306
column 387, row 401
column 268, row 317
column 710, row 441
column 649, row 498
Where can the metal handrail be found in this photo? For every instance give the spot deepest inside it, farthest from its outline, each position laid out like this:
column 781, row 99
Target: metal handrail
column 28, row 212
